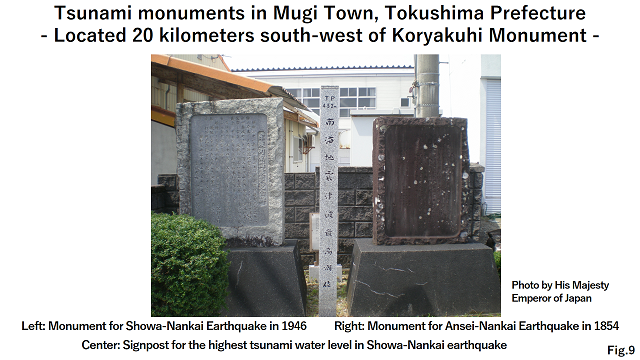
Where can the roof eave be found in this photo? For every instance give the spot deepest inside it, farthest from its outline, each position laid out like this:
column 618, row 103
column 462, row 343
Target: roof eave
column 268, row 90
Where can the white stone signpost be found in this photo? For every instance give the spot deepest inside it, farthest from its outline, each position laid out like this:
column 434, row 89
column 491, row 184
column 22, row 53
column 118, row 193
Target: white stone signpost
column 328, row 250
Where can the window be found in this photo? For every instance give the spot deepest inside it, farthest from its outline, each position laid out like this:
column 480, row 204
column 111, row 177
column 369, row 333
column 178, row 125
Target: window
column 356, row 98
column 309, row 96
column 350, row 99
column 297, row 149
column 404, row 102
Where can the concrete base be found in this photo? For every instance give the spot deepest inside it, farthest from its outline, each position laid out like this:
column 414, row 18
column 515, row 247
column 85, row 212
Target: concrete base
column 416, row 280
column 266, row 281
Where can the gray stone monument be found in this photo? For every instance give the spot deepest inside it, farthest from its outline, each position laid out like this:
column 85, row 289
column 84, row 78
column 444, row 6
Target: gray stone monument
column 328, row 249
column 421, row 260
column 231, row 173
column 231, row 167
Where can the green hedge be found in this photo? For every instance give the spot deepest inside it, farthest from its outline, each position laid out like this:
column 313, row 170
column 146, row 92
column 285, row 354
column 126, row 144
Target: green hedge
column 188, row 267
column 497, row 256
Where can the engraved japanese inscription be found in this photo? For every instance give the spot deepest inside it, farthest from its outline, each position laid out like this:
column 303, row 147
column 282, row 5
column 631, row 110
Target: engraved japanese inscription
column 329, row 114
column 420, row 181
column 424, row 171
column 229, row 170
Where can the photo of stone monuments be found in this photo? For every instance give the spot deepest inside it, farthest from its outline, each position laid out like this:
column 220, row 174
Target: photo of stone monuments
column 404, row 230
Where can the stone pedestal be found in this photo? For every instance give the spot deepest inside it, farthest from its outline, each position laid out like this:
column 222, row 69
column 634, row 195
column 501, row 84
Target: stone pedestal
column 266, row 281
column 416, row 280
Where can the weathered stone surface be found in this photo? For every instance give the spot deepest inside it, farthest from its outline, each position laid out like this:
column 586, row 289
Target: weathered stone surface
column 478, row 181
column 477, row 210
column 171, row 199
column 345, row 246
column 290, row 215
column 495, row 239
column 289, row 181
column 421, row 181
column 477, row 196
column 229, row 175
column 364, row 229
column 354, row 181
column 364, row 197
column 356, row 213
column 417, row 280
column 299, row 197
column 475, row 228
column 305, row 181
column 344, row 259
column 346, row 230
column 302, row 213
column 307, row 259
column 303, row 245
column 230, row 165
column 164, row 196
column 486, row 226
column 329, row 141
column 266, row 282
column 353, row 176
column 296, row 231
column 169, row 181
column 345, row 198
column 476, row 168
column 157, row 197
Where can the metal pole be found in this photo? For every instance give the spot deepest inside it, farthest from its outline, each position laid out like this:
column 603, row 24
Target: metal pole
column 427, row 83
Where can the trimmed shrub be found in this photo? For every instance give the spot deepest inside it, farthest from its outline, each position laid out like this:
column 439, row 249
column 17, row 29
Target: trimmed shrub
column 188, row 267
column 497, row 256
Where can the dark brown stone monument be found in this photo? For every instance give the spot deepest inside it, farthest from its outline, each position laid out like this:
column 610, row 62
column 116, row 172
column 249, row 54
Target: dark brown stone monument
column 422, row 260
column 420, row 181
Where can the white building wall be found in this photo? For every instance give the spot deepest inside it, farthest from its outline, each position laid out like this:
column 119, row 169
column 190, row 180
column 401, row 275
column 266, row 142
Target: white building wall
column 294, row 131
column 459, row 95
column 314, row 155
column 362, row 133
column 164, row 158
column 362, row 140
column 391, row 85
column 167, row 100
column 490, row 65
column 490, row 135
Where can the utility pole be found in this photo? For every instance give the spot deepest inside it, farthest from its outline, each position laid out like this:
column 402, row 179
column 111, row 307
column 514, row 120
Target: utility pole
column 427, row 74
